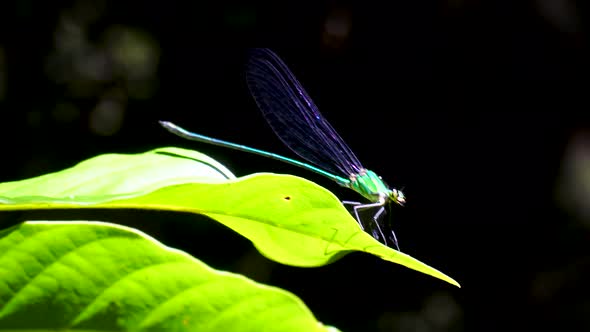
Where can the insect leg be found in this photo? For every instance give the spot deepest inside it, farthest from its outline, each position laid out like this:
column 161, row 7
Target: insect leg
column 356, row 215
column 368, row 206
column 376, row 219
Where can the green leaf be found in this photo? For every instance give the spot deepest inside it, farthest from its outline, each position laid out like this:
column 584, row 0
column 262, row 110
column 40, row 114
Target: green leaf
column 103, row 277
column 119, row 174
column 289, row 219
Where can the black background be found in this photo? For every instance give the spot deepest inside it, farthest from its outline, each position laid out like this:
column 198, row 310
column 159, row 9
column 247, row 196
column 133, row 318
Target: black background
column 478, row 109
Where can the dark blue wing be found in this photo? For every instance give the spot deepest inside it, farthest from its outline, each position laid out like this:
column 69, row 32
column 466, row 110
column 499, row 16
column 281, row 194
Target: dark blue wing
column 294, row 117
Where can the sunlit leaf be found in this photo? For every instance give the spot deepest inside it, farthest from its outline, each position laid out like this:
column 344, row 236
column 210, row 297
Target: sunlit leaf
column 91, row 276
column 289, row 219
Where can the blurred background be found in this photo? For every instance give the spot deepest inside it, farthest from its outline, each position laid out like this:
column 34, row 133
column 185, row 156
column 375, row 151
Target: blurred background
column 478, row 108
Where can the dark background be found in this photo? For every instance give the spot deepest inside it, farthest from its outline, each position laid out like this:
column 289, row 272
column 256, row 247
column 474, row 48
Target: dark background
column 478, row 109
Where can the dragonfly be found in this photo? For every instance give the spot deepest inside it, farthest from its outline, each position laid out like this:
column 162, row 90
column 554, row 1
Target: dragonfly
column 297, row 122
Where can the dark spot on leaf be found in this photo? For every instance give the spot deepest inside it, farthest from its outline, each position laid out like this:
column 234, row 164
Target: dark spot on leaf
column 287, row 198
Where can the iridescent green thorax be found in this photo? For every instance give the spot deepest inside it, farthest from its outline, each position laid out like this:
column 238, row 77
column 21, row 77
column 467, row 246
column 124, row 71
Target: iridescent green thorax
column 370, row 185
